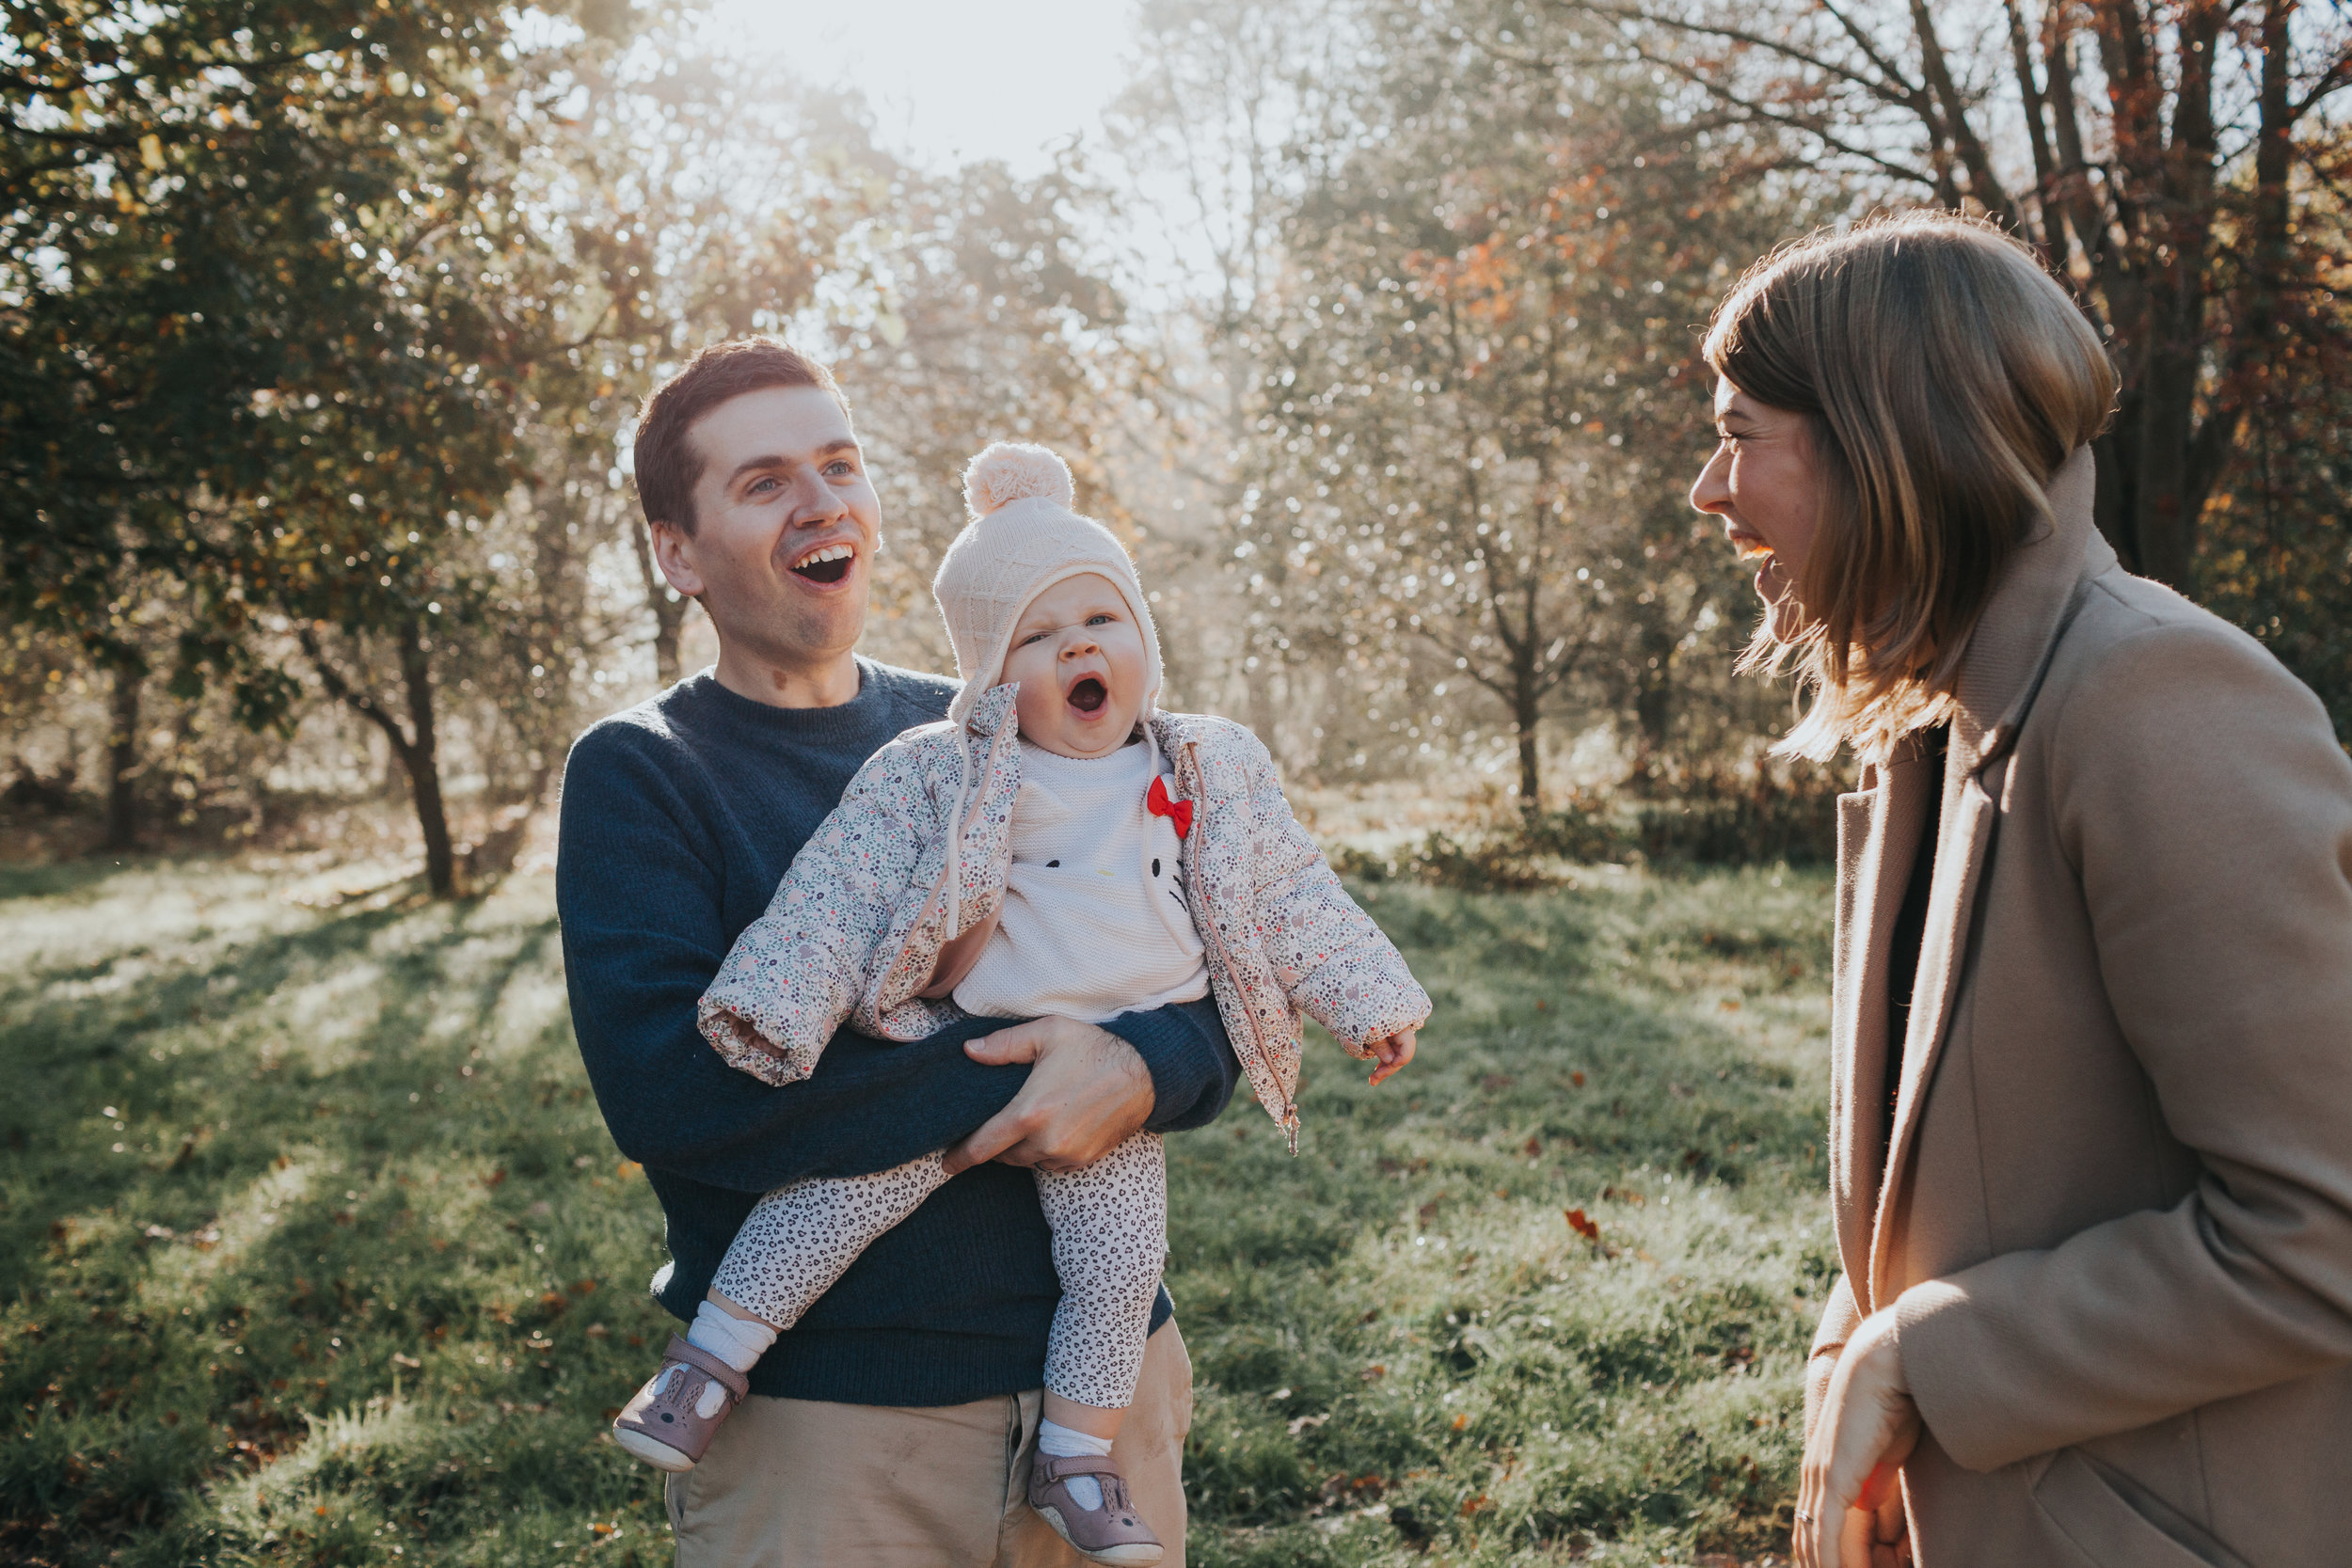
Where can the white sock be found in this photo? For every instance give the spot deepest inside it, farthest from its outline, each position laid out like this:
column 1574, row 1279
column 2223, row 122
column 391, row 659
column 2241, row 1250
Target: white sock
column 1063, row 1442
column 738, row 1341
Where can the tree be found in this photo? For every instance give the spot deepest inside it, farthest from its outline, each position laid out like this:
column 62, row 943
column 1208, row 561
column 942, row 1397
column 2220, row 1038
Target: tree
column 1207, row 136
column 209, row 333
column 1477, row 410
column 2154, row 152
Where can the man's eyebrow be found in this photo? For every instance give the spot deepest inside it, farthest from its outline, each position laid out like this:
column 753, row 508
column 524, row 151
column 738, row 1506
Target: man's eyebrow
column 777, row 460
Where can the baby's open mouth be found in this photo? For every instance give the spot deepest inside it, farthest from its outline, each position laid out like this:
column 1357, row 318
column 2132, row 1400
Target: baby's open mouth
column 829, row 564
column 1089, row 694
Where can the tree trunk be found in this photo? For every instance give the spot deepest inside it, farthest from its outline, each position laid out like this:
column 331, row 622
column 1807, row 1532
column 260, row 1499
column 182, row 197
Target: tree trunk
column 413, row 747
column 122, row 763
column 1653, row 689
column 1526, row 704
column 420, row 758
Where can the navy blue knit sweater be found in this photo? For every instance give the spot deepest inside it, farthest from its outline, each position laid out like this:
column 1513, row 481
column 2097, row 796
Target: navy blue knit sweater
column 679, row 816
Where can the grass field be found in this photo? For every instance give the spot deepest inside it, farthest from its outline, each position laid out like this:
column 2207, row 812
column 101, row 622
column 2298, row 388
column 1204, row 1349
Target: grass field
column 314, row 1248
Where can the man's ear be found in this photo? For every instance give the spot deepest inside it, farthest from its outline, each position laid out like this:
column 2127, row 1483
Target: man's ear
column 673, row 552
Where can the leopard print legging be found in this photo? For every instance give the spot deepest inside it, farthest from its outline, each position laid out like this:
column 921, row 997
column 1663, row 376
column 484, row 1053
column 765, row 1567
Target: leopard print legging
column 1110, row 1236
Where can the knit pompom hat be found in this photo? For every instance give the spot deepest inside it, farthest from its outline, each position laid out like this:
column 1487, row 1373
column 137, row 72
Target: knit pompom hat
column 1023, row 539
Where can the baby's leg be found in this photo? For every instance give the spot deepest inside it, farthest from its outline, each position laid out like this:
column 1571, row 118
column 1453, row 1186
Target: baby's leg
column 796, row 1242
column 798, row 1239
column 1110, row 1239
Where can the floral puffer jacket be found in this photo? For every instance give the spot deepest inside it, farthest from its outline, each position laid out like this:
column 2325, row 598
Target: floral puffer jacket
column 859, row 922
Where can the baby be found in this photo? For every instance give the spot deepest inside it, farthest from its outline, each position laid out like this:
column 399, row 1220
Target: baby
column 1056, row 847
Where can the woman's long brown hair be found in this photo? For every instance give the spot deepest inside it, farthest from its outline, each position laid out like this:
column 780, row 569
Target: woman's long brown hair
column 1944, row 376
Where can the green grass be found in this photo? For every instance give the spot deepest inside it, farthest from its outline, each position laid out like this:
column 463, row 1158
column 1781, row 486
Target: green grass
column 314, row 1248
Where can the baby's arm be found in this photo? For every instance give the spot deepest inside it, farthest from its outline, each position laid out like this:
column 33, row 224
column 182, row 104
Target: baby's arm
column 1335, row 963
column 795, row 973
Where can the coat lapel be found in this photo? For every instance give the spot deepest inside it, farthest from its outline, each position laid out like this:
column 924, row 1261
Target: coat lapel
column 1878, row 832
column 1999, row 675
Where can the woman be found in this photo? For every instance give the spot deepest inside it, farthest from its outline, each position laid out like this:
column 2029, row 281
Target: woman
column 2091, row 1106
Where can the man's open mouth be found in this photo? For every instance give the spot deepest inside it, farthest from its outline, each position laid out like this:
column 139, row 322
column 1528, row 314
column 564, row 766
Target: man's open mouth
column 1089, row 694
column 829, row 564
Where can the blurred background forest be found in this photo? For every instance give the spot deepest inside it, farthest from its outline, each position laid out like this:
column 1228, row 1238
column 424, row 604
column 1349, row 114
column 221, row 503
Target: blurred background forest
column 1370, row 323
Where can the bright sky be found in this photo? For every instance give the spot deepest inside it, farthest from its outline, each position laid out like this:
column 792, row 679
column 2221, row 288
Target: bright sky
column 952, row 81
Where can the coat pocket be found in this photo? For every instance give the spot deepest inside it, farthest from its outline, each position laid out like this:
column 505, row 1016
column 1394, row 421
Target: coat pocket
column 2118, row 1523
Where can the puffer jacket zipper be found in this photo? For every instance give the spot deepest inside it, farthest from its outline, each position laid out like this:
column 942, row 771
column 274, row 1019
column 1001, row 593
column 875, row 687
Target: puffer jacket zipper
column 1197, row 789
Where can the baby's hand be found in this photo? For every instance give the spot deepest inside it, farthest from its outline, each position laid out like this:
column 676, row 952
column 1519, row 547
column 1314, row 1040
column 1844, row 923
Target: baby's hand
column 1393, row 1052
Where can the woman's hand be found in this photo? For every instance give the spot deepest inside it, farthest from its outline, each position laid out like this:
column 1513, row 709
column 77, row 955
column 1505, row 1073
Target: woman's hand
column 1393, row 1052
column 1850, row 1507
column 1088, row 1093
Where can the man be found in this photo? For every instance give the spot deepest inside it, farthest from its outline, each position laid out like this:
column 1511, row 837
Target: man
column 895, row 1422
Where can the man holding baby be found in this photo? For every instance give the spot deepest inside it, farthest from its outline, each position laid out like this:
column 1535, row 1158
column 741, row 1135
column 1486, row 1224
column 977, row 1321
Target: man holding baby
column 898, row 1420
column 803, row 895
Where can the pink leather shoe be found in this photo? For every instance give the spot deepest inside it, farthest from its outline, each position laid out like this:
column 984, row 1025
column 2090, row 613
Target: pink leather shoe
column 1113, row 1534
column 664, row 1425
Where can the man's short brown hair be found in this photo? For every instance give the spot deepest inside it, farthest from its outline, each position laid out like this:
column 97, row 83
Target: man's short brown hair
column 667, row 464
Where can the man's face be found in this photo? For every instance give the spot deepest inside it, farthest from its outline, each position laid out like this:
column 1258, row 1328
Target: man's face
column 785, row 528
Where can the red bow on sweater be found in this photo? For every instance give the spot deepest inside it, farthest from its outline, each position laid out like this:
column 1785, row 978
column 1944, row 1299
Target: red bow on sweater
column 1178, row 812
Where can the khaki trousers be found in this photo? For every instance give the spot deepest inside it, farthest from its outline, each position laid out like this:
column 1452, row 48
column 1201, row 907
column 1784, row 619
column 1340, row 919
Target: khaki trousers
column 804, row 1483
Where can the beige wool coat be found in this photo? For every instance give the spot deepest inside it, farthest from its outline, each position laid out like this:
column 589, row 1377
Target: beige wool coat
column 2116, row 1221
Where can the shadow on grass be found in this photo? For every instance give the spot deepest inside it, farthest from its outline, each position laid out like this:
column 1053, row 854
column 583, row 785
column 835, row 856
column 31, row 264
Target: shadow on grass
column 59, row 879
column 319, row 1245
column 1402, row 1340
column 316, row 1246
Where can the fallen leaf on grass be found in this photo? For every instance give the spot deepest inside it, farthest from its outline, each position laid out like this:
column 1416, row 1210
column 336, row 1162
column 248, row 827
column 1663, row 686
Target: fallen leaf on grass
column 1582, row 1224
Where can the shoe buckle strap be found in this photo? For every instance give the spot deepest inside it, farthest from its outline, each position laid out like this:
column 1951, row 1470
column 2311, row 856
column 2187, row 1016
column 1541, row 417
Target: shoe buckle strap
column 1061, row 1467
column 687, row 1351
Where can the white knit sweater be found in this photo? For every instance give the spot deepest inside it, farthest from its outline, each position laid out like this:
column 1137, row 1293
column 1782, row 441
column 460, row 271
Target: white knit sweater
column 1095, row 922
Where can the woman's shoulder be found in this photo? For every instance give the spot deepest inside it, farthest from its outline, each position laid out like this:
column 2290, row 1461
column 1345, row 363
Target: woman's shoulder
column 2125, row 619
column 2140, row 661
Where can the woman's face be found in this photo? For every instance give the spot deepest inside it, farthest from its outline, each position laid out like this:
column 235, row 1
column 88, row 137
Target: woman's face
column 1762, row 484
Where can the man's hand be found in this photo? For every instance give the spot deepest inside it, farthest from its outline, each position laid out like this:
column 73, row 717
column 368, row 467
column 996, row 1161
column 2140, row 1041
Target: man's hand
column 1088, row 1093
column 1850, row 1505
column 1393, row 1052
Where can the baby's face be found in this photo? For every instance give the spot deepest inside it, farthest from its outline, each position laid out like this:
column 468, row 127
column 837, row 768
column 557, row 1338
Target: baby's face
column 1078, row 654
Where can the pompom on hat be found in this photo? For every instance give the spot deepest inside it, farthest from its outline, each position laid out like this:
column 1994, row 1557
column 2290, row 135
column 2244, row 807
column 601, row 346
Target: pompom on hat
column 1024, row 538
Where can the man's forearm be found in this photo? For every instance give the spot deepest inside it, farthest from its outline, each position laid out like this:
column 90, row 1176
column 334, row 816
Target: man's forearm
column 1193, row 1068
column 872, row 1105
